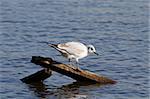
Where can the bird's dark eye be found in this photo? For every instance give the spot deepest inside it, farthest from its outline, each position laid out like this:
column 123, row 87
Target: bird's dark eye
column 89, row 48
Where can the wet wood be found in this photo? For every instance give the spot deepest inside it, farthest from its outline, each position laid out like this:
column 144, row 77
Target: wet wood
column 71, row 71
column 38, row 76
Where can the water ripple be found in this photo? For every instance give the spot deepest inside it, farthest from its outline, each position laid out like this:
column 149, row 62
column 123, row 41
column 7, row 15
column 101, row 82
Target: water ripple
column 118, row 29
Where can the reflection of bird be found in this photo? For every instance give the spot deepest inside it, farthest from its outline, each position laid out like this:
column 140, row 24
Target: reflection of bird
column 74, row 50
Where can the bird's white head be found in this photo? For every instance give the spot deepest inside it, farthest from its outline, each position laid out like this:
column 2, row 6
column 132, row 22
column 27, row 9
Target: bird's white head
column 91, row 49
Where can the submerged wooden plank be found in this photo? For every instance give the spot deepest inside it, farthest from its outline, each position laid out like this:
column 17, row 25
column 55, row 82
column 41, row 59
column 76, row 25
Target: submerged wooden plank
column 38, row 76
column 71, row 71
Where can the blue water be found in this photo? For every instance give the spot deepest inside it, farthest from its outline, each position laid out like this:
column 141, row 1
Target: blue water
column 117, row 28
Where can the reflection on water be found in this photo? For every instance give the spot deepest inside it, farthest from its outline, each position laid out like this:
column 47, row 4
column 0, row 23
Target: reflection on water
column 39, row 89
column 70, row 91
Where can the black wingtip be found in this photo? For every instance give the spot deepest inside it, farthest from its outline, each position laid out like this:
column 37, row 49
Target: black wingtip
column 53, row 45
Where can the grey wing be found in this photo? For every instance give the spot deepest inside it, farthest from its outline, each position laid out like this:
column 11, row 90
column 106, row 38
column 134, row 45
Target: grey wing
column 64, row 52
column 73, row 48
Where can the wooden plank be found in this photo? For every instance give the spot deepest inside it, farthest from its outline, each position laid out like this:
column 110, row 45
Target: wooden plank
column 71, row 71
column 38, row 76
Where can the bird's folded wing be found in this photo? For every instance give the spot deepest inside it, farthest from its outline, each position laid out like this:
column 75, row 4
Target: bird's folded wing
column 73, row 48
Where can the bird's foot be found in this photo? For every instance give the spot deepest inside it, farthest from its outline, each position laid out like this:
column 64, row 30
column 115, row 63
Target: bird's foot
column 78, row 69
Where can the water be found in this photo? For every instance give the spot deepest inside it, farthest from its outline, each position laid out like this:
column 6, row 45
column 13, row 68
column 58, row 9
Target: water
column 118, row 29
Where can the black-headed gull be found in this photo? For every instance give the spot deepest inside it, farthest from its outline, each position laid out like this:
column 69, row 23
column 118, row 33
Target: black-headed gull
column 74, row 50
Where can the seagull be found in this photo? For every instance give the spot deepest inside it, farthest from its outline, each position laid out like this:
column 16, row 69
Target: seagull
column 74, row 50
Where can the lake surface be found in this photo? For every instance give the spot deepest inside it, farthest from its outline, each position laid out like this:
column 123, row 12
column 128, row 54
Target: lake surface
column 117, row 28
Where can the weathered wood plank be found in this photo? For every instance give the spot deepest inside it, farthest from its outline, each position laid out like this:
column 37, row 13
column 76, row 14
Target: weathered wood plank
column 38, row 76
column 71, row 71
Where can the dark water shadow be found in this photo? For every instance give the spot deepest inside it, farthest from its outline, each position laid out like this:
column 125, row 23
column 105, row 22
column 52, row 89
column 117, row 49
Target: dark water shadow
column 65, row 91
column 39, row 89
